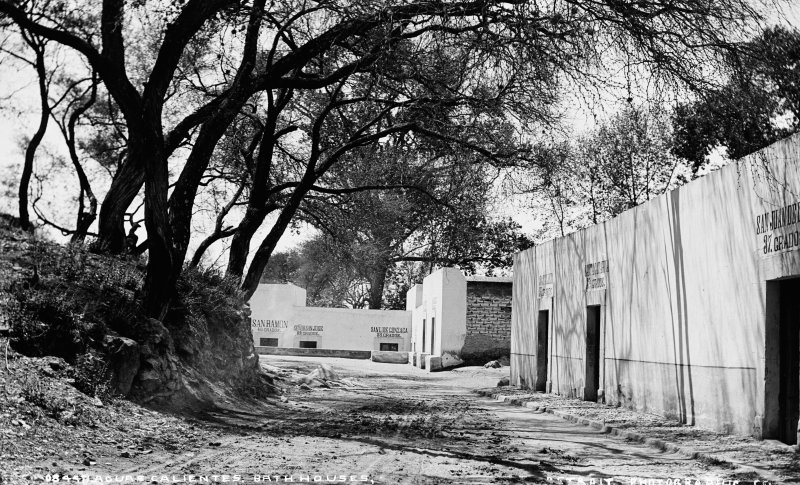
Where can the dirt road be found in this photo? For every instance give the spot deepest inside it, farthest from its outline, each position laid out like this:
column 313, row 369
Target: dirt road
column 394, row 424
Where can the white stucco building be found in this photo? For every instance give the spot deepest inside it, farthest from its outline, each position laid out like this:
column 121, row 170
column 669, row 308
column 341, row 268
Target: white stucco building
column 449, row 320
column 283, row 324
column 687, row 306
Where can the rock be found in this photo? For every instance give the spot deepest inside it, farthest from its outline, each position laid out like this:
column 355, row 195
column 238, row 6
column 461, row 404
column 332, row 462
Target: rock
column 125, row 454
column 503, row 382
column 449, row 359
column 284, row 399
column 88, row 461
column 305, row 387
column 215, row 443
column 493, row 364
column 57, row 364
column 97, row 402
column 123, row 355
column 324, row 372
column 153, row 331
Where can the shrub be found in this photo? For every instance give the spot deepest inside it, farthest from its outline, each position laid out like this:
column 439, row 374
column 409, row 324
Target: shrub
column 36, row 391
column 93, row 377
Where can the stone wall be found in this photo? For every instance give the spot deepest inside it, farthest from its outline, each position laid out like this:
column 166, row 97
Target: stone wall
column 488, row 321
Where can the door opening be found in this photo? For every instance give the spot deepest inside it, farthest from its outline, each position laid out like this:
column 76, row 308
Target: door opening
column 424, row 331
column 592, row 353
column 541, row 350
column 433, row 333
column 782, row 383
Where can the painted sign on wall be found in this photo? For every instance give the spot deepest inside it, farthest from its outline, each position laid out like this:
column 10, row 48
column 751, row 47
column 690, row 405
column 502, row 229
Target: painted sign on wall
column 269, row 326
column 777, row 230
column 545, row 285
column 389, row 332
column 596, row 275
column 308, row 329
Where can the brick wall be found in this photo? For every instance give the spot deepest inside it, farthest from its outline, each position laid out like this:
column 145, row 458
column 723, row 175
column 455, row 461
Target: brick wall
column 488, row 321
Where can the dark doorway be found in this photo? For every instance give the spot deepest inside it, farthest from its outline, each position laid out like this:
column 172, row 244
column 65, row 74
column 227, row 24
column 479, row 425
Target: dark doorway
column 308, row 344
column 592, row 353
column 424, row 331
column 433, row 332
column 782, row 387
column 541, row 350
column 389, row 347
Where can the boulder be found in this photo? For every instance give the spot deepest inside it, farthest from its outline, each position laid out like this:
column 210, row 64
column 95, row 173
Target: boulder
column 503, row 382
column 123, row 357
column 153, row 332
column 324, row 372
column 450, row 359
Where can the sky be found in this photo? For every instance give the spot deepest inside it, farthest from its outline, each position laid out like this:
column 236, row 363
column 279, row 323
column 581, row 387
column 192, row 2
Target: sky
column 19, row 116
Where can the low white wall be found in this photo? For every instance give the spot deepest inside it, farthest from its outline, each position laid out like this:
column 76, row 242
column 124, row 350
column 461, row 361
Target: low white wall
column 279, row 312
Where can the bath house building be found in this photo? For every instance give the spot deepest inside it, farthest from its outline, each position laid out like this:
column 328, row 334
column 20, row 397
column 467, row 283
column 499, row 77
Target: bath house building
column 686, row 306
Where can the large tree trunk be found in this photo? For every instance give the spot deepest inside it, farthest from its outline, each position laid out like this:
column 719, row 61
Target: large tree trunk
column 377, row 282
column 240, row 244
column 262, row 255
column 162, row 270
column 33, row 145
column 182, row 200
column 258, row 205
column 146, row 148
column 124, row 188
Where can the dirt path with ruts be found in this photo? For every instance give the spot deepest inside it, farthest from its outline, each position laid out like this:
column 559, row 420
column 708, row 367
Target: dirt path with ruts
column 396, row 424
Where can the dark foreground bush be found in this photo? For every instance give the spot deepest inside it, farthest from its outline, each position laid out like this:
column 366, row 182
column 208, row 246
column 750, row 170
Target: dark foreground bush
column 85, row 308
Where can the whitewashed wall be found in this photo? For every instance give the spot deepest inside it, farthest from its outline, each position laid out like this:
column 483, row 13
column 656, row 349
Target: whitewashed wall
column 683, row 309
column 279, row 311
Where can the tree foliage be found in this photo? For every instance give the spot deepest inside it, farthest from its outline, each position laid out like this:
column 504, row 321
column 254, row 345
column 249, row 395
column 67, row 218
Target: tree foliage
column 758, row 106
column 322, row 79
column 625, row 161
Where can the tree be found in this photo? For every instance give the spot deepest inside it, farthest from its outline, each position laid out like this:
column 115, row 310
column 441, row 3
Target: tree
column 328, row 275
column 405, row 201
column 38, row 46
column 67, row 123
column 628, row 161
column 625, row 161
column 758, row 106
column 423, row 67
column 64, row 97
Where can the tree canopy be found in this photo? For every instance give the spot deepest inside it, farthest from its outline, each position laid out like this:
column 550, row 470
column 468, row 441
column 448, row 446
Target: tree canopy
column 758, row 106
column 319, row 80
